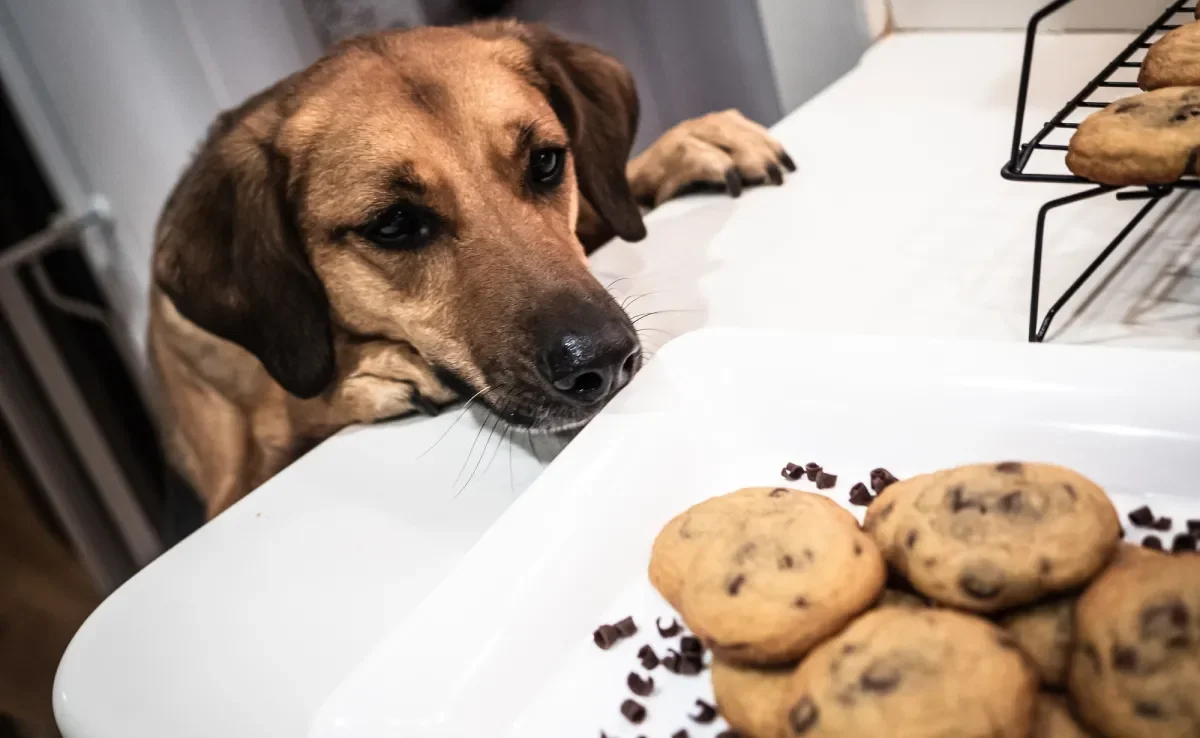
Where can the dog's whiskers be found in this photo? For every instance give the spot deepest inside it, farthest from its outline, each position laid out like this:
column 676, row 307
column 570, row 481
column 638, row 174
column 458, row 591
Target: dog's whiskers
column 466, row 407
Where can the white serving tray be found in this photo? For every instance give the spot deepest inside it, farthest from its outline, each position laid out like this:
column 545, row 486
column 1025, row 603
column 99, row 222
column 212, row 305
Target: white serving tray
column 503, row 646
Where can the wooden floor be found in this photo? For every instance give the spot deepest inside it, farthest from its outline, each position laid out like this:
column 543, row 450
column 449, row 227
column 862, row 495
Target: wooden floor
column 44, row 597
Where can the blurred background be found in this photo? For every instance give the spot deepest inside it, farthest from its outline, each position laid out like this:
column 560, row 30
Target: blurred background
column 101, row 103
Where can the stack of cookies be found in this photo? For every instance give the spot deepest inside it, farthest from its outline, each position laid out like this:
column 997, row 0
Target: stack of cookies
column 1154, row 137
column 988, row 600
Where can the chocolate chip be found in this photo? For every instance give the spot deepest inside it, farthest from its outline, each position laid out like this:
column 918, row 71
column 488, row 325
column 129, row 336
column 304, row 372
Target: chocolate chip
column 1152, row 542
column 785, row 561
column 800, row 602
column 1151, row 710
column 826, row 481
column 625, row 627
column 1070, row 491
column 1193, row 527
column 1163, row 523
column 670, row 662
column 690, row 664
column 1163, row 622
column 857, row 548
column 736, row 584
column 849, row 648
column 1124, row 658
column 605, row 636
column 691, row 644
column 1141, row 516
column 792, row 472
column 1011, row 502
column 1010, row 467
column 880, row 678
column 910, row 539
column 808, row 554
column 1183, row 542
column 982, row 583
column 633, row 711
column 803, row 716
column 1044, row 566
column 681, row 733
column 648, row 657
column 812, row 469
column 637, row 685
column 860, row 495
column 881, row 479
column 670, row 631
column 779, row 492
column 706, row 713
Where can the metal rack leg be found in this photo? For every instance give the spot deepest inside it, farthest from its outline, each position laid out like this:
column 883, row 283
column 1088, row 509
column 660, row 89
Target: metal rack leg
column 1036, row 334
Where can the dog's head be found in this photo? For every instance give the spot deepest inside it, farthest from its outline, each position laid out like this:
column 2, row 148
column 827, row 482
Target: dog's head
column 420, row 186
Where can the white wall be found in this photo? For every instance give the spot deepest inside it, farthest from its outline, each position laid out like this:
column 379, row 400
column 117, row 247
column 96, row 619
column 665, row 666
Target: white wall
column 116, row 94
column 1014, row 14
column 811, row 44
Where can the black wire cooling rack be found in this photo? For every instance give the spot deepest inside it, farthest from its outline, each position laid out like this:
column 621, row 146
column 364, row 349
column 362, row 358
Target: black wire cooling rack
column 1033, row 160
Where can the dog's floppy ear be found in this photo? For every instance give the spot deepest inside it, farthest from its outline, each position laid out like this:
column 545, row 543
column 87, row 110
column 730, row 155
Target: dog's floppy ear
column 229, row 256
column 594, row 97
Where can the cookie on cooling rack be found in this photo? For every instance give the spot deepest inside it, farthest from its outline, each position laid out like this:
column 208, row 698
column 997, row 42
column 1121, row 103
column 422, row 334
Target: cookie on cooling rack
column 1173, row 60
column 1151, row 138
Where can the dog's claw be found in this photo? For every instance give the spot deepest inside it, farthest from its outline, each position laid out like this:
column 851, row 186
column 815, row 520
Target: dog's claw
column 774, row 175
column 733, row 182
column 787, row 162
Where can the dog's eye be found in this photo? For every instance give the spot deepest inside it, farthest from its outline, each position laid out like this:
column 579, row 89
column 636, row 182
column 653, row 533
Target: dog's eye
column 400, row 227
column 546, row 168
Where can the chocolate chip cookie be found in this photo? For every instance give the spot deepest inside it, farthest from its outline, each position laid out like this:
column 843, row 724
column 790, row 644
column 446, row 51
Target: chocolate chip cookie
column 991, row 536
column 769, row 591
column 1135, row 671
column 750, row 698
column 1151, row 138
column 915, row 673
column 1044, row 632
column 1052, row 718
column 1173, row 60
column 687, row 534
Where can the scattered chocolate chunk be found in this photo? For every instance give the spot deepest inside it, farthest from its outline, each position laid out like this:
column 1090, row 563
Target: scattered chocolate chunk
column 1163, row 523
column 1193, row 527
column 812, row 469
column 1152, row 542
column 1011, row 502
column 786, row 561
column 860, row 495
column 1183, row 542
column 706, row 714
column 691, row 644
column 881, row 479
column 826, row 481
column 691, row 664
column 633, row 711
column 880, row 678
column 1141, row 516
column 670, row 631
column 1010, row 467
column 681, row 733
column 625, row 627
column 982, row 585
column 792, row 471
column 800, row 603
column 605, row 636
column 637, row 685
column 648, row 657
column 736, row 584
column 670, row 662
column 803, row 715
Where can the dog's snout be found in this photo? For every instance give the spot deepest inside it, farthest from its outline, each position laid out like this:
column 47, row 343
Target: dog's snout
column 588, row 368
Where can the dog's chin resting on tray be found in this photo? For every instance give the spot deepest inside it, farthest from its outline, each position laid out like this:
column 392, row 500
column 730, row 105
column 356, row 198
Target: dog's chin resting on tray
column 404, row 225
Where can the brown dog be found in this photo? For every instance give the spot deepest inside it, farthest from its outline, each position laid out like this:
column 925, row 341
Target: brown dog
column 403, row 223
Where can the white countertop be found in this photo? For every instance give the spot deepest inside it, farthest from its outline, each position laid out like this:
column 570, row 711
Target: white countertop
column 897, row 223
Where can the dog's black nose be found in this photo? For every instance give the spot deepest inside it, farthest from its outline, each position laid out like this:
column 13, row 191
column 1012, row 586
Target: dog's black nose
column 588, row 368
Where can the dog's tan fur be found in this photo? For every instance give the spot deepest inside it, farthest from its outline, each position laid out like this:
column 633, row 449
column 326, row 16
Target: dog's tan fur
column 264, row 281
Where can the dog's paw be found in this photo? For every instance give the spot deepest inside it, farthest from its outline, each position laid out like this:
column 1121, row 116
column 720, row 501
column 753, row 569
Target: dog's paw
column 720, row 151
